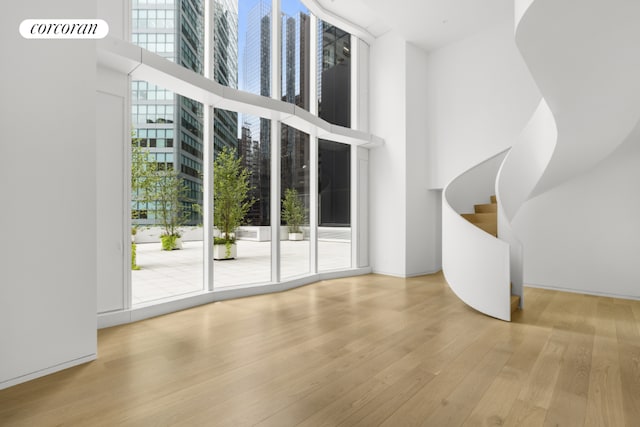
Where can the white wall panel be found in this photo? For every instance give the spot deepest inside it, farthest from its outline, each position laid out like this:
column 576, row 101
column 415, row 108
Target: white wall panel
column 110, row 170
column 480, row 97
column 48, row 193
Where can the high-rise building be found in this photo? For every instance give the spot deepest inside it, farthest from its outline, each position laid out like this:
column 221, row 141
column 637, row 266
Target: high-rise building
column 256, row 68
column 225, row 69
column 168, row 125
column 294, row 147
column 295, row 59
column 171, row 126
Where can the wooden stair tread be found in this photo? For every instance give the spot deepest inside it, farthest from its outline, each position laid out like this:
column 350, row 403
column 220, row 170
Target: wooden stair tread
column 487, row 207
column 491, row 228
column 481, row 217
column 494, row 199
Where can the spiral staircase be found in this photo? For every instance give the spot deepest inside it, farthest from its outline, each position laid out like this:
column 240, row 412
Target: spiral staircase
column 585, row 58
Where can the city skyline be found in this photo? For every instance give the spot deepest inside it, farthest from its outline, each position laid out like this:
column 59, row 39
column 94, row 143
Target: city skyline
column 242, row 41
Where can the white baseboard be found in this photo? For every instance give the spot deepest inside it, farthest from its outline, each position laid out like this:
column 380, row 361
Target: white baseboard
column 583, row 292
column 114, row 318
column 405, row 276
column 42, row 372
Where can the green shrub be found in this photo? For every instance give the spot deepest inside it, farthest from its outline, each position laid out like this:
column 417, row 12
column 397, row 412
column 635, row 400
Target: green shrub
column 293, row 211
column 169, row 241
column 134, row 266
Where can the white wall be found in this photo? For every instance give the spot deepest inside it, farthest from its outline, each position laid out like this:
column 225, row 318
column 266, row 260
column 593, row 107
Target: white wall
column 48, row 179
column 480, row 96
column 111, row 129
column 584, row 235
column 404, row 213
column 423, row 205
column 387, row 164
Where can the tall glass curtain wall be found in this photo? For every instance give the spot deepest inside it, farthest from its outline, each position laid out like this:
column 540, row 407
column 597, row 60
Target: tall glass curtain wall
column 168, row 141
column 334, row 74
column 295, row 196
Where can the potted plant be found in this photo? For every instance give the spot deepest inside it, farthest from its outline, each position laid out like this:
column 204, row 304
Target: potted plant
column 230, row 201
column 170, row 190
column 293, row 213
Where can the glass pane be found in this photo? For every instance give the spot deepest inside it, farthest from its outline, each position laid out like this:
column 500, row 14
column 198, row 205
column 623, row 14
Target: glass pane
column 241, row 200
column 334, row 74
column 294, row 243
column 242, row 45
column 166, row 205
column 334, row 205
column 225, row 42
column 153, row 28
column 295, row 56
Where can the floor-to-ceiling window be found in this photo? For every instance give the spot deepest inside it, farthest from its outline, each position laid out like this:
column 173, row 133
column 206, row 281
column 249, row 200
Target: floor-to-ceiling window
column 295, row 53
column 247, row 185
column 167, row 154
column 166, row 194
column 170, row 138
column 295, row 202
column 334, row 74
column 334, row 205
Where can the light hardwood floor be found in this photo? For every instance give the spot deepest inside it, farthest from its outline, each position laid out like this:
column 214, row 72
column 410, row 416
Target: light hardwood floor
column 364, row 351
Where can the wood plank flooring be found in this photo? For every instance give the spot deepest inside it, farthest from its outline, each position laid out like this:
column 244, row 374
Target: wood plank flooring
column 364, row 351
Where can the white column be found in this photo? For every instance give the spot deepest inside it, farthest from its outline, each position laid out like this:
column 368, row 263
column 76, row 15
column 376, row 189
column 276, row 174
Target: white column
column 276, row 89
column 128, row 126
column 313, row 66
column 355, row 71
column 208, row 39
column 207, row 191
column 313, row 203
column 275, row 201
column 207, row 142
column 355, row 208
column 276, row 47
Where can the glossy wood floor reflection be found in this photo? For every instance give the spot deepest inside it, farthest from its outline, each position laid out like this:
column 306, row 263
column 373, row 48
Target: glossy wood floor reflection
column 365, row 351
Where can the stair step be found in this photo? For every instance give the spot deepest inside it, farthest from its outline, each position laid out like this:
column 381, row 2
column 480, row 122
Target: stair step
column 485, row 208
column 515, row 302
column 494, row 199
column 481, row 217
column 489, row 227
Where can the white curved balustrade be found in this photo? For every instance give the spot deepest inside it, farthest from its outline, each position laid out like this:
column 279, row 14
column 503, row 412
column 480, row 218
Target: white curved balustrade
column 584, row 58
column 475, row 264
column 518, row 176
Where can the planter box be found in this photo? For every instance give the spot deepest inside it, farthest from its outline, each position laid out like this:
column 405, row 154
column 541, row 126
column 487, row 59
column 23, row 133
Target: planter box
column 220, row 251
column 296, row 236
column 177, row 244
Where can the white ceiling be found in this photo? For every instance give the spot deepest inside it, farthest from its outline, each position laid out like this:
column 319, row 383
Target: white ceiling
column 429, row 24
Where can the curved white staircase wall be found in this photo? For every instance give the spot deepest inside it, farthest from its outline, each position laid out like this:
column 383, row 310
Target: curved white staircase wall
column 578, row 149
column 479, row 97
column 517, row 178
column 475, row 264
column 584, row 236
column 526, row 161
column 585, row 59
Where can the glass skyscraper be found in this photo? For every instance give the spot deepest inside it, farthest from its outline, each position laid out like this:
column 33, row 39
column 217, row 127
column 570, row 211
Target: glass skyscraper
column 225, row 69
column 171, row 126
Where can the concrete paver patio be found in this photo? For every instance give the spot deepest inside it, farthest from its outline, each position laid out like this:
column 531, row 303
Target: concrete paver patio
column 166, row 274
